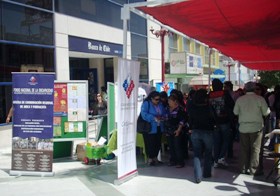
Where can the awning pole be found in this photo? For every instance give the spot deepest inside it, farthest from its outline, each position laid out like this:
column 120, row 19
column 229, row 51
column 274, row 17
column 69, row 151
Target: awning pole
column 209, row 68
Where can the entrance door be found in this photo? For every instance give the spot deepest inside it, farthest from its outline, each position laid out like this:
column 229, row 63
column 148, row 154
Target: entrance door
column 79, row 70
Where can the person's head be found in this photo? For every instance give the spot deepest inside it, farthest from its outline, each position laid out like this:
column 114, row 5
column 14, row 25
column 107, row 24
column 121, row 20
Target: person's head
column 258, row 89
column 217, row 85
column 173, row 101
column 191, row 93
column 99, row 97
column 228, row 86
column 154, row 96
column 249, row 86
column 240, row 91
column 163, row 96
column 201, row 97
column 179, row 95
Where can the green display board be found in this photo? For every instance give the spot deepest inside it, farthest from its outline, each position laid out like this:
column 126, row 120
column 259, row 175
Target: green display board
column 70, row 109
column 111, row 108
column 62, row 149
column 70, row 115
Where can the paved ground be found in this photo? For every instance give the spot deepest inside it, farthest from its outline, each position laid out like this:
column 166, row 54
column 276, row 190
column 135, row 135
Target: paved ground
column 74, row 178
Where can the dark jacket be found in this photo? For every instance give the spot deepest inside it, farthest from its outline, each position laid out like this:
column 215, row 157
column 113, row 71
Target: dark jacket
column 201, row 117
column 223, row 105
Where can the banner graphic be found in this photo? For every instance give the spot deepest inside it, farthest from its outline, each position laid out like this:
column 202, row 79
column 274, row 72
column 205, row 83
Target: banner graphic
column 33, row 104
column 128, row 80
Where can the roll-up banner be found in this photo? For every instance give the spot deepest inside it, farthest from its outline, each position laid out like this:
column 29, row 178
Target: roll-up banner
column 128, row 79
column 32, row 138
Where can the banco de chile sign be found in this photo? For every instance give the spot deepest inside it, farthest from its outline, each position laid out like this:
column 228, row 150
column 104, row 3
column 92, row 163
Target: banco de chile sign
column 93, row 46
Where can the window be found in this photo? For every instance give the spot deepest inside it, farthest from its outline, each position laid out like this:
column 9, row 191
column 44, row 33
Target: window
column 138, row 24
column 13, row 58
column 45, row 4
column 139, row 46
column 140, row 53
column 186, row 44
column 29, row 25
column 100, row 11
column 173, row 44
column 197, row 48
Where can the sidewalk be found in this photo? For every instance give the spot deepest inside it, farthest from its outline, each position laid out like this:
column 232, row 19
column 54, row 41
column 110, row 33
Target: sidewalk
column 74, row 178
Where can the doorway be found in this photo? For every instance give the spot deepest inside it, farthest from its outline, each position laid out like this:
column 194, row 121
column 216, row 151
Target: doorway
column 79, row 70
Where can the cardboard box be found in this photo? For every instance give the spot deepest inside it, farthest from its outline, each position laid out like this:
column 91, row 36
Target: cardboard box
column 80, row 150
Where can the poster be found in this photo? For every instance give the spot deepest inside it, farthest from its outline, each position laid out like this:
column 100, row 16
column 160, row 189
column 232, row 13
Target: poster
column 60, row 98
column 70, row 109
column 33, row 103
column 165, row 86
column 128, row 79
column 76, row 102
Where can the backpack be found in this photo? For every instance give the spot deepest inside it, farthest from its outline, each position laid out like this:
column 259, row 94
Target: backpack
column 222, row 105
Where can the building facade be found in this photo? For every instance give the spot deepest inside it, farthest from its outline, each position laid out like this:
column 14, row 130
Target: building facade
column 81, row 40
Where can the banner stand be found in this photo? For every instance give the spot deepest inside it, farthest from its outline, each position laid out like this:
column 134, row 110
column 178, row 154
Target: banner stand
column 26, row 173
column 125, row 178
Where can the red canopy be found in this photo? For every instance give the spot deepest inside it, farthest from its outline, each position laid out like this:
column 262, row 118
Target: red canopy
column 246, row 30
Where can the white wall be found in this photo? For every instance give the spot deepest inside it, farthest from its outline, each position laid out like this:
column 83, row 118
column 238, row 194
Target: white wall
column 68, row 25
column 154, row 53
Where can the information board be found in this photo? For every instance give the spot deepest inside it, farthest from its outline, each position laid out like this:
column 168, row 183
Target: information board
column 70, row 110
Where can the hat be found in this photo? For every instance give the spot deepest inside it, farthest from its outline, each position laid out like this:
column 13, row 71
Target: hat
column 250, row 86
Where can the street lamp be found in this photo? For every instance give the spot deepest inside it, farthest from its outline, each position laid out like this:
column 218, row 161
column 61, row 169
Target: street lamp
column 161, row 33
column 256, row 77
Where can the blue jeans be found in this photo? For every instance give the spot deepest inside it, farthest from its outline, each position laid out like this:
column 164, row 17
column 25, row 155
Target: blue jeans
column 202, row 141
column 222, row 136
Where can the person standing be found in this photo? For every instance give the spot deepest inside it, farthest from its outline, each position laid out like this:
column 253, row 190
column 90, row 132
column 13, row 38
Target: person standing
column 174, row 131
column 101, row 105
column 223, row 104
column 250, row 109
column 153, row 112
column 202, row 122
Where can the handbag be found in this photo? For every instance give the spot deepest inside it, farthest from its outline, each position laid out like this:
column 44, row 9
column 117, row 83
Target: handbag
column 142, row 125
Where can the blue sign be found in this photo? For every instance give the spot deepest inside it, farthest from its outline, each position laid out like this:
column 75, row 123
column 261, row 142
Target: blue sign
column 165, row 86
column 33, row 102
column 219, row 74
column 93, row 46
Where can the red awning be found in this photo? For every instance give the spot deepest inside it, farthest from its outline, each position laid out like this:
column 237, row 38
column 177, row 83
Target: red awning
column 246, row 30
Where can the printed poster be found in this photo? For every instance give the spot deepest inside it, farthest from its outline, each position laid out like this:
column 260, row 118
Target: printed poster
column 32, row 140
column 128, row 81
column 60, row 99
column 77, row 102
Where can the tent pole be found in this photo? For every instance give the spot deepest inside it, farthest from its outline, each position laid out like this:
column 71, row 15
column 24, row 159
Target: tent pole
column 239, row 75
column 209, row 68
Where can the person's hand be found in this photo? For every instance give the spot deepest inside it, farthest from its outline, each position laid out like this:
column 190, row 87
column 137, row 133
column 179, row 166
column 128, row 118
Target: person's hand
column 157, row 119
column 8, row 120
column 177, row 133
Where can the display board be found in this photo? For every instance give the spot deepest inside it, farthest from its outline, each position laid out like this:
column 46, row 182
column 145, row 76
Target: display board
column 111, row 108
column 32, row 140
column 70, row 110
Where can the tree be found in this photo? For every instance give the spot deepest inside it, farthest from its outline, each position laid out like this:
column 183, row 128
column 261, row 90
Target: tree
column 269, row 78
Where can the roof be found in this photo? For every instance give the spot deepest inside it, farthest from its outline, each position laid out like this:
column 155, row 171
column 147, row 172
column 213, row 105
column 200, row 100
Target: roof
column 246, row 30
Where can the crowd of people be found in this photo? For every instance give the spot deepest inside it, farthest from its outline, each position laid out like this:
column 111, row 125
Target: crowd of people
column 208, row 123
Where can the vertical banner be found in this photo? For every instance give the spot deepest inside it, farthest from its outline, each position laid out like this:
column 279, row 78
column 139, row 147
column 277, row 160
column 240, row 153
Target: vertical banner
column 128, row 80
column 32, row 140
